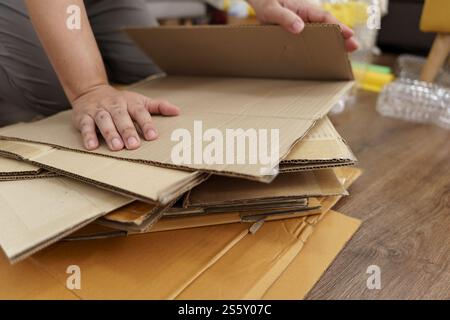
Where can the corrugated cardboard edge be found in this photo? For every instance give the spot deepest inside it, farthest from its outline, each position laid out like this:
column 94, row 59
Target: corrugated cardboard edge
column 346, row 179
column 152, row 218
column 164, row 196
column 260, row 178
column 42, row 175
column 309, row 167
column 187, row 200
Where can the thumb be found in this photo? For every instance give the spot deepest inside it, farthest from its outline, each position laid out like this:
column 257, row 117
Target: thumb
column 284, row 17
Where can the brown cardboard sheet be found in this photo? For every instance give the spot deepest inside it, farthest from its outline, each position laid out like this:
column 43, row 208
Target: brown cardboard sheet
column 136, row 212
column 175, row 257
column 128, row 219
column 245, row 101
column 318, row 253
column 22, row 176
column 131, row 179
column 35, row 213
column 174, row 264
column 13, row 167
column 258, row 51
column 149, row 266
column 271, row 251
column 268, row 253
column 135, row 217
column 322, row 144
column 346, row 175
column 220, row 190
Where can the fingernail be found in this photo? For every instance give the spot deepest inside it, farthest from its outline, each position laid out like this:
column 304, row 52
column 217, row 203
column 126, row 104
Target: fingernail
column 91, row 144
column 152, row 134
column 116, row 143
column 132, row 142
column 297, row 26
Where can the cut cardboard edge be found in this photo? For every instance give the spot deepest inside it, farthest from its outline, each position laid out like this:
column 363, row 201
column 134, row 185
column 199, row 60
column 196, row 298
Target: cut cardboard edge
column 310, row 167
column 42, row 175
column 164, row 196
column 347, row 176
column 222, row 171
column 11, row 166
column 195, row 199
column 147, row 223
column 205, row 39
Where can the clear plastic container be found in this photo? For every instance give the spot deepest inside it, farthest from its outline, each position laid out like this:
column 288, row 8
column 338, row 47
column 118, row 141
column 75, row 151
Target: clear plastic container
column 410, row 66
column 416, row 101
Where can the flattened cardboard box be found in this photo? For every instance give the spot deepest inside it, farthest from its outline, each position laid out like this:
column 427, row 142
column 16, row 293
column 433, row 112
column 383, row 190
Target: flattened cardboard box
column 35, row 213
column 237, row 94
column 220, row 190
column 288, row 191
column 320, row 146
column 130, row 218
column 170, row 262
column 174, row 264
column 129, row 214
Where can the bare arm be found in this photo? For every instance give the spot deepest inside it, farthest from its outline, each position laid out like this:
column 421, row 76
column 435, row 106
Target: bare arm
column 76, row 59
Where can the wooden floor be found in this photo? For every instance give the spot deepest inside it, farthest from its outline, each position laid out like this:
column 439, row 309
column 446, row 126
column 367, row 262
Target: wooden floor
column 403, row 199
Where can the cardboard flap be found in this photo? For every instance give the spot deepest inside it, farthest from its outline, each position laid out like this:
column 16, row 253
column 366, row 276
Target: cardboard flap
column 322, row 144
column 317, row 53
column 53, row 208
column 12, row 167
column 107, row 173
column 219, row 190
column 289, row 107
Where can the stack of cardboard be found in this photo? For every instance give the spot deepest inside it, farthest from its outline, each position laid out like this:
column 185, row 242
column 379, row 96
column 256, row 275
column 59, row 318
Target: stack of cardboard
column 231, row 228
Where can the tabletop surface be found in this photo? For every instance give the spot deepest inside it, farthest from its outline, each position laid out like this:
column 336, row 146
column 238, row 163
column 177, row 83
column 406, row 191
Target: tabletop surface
column 403, row 199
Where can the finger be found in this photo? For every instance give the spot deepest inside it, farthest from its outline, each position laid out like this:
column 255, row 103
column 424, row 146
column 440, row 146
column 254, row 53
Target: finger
column 162, row 107
column 125, row 126
column 87, row 128
column 108, row 130
column 351, row 45
column 284, row 17
column 143, row 118
column 315, row 14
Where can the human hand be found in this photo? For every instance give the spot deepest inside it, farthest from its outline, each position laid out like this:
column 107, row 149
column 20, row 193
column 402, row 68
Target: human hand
column 292, row 15
column 113, row 112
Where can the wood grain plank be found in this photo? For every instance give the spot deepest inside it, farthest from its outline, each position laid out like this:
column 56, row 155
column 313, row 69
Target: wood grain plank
column 403, row 199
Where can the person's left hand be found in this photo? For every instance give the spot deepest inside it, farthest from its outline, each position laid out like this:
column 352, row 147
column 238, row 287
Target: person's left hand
column 292, row 15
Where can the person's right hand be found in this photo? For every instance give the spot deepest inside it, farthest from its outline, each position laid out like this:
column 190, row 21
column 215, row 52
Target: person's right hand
column 114, row 112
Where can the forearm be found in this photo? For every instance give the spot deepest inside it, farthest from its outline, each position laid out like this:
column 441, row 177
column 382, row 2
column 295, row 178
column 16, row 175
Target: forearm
column 74, row 54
